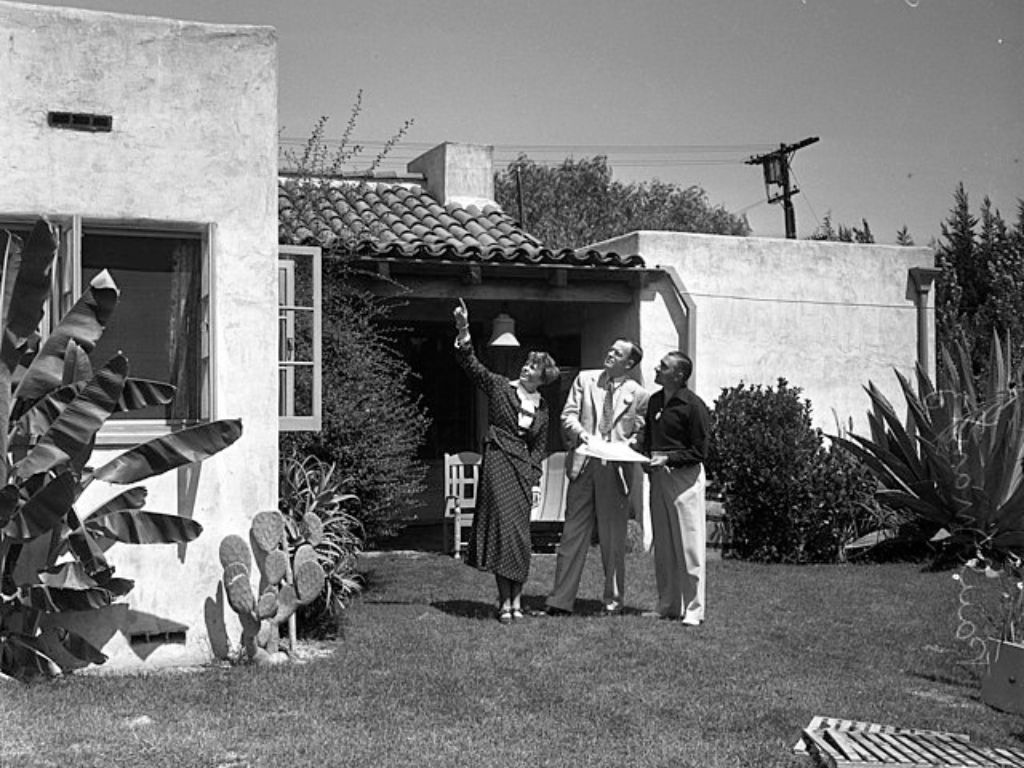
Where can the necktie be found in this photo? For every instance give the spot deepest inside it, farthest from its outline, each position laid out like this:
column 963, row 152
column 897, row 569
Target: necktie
column 607, row 411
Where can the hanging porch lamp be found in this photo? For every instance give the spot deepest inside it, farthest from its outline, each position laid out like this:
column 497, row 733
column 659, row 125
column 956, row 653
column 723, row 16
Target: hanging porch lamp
column 503, row 332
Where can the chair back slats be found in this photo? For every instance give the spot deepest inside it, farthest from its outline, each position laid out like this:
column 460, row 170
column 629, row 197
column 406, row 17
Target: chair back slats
column 461, row 480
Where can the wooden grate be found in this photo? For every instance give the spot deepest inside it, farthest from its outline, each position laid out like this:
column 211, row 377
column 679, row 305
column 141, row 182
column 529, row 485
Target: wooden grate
column 819, row 724
column 846, row 743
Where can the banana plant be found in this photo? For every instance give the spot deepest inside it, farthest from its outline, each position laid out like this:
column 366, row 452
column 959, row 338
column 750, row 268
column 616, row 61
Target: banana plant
column 52, row 404
column 956, row 463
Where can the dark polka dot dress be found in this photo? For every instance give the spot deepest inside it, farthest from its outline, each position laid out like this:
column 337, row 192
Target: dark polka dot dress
column 499, row 540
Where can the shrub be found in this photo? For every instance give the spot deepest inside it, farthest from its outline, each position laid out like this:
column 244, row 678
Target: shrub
column 787, row 496
column 373, row 425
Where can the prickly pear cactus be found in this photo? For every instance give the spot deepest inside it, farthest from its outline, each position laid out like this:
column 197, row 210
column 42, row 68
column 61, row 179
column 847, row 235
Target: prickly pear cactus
column 285, row 582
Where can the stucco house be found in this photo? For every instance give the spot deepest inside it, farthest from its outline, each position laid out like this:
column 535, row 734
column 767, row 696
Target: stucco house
column 152, row 145
column 826, row 316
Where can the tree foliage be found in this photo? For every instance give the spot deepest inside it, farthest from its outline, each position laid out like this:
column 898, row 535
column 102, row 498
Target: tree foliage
column 578, row 202
column 827, row 230
column 980, row 291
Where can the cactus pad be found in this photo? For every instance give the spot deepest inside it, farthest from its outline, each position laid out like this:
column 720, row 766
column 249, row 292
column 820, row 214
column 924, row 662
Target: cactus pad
column 312, row 528
column 287, row 603
column 263, row 636
column 266, row 606
column 275, row 565
column 304, row 554
column 268, row 530
column 309, row 581
column 233, row 549
column 239, row 590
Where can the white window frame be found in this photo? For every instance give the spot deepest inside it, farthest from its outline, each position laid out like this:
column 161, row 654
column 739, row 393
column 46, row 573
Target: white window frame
column 66, row 287
column 287, row 364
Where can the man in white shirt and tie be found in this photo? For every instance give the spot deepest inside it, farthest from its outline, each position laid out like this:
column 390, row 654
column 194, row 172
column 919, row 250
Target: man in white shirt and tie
column 603, row 404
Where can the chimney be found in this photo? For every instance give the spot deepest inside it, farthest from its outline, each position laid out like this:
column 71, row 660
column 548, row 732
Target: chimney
column 458, row 173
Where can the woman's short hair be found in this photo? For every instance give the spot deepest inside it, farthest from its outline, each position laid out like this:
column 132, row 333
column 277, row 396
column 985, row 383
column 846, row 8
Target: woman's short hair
column 546, row 363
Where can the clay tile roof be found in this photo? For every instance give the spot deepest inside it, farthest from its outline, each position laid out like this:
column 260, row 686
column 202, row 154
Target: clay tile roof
column 388, row 219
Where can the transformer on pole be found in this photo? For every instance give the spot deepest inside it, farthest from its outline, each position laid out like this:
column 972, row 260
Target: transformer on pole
column 777, row 184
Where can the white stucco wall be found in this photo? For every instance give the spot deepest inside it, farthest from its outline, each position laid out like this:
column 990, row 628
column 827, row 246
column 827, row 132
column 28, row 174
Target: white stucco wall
column 194, row 139
column 828, row 317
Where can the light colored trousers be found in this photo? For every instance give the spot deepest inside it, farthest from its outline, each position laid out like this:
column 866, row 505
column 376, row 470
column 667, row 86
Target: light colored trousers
column 678, row 518
column 597, row 497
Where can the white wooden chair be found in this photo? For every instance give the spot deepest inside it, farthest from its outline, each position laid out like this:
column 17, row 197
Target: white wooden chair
column 461, row 479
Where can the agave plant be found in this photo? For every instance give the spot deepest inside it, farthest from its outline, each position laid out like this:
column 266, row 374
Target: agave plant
column 53, row 403
column 956, row 464
column 314, row 507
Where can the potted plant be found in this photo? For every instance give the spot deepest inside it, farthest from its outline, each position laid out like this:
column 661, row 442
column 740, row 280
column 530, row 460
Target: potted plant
column 991, row 623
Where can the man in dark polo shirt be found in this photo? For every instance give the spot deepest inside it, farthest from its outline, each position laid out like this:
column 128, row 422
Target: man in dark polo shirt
column 675, row 436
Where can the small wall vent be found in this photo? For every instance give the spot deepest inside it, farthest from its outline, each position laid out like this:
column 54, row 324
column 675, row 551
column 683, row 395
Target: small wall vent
column 80, row 121
column 145, row 638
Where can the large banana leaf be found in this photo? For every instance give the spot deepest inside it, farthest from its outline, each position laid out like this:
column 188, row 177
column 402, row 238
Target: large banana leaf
column 168, row 452
column 56, row 599
column 71, row 436
column 26, row 286
column 9, row 498
column 72, row 575
column 32, row 285
column 132, row 498
column 137, row 393
column 142, row 393
column 44, row 510
column 38, row 419
column 84, row 324
column 87, row 550
column 71, row 643
column 10, row 253
column 141, row 527
column 77, row 366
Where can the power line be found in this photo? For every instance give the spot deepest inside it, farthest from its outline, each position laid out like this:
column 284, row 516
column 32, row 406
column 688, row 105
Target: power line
column 776, row 300
column 625, row 155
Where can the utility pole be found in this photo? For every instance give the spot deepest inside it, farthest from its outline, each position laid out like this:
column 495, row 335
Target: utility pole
column 776, row 173
column 519, row 197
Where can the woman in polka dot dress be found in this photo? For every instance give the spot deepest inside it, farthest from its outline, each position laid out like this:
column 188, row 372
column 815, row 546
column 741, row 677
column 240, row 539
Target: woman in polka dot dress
column 515, row 445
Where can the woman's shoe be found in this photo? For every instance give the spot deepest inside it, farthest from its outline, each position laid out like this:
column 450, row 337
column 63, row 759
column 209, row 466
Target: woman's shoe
column 517, row 614
column 505, row 616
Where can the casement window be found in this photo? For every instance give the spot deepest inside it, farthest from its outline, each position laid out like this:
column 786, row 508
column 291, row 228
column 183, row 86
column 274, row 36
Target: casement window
column 299, row 290
column 162, row 320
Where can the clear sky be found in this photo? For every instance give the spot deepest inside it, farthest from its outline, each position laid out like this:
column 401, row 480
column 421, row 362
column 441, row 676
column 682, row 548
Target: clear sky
column 908, row 97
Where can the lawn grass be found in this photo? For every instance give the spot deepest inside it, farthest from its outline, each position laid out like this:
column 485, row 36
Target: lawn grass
column 424, row 676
